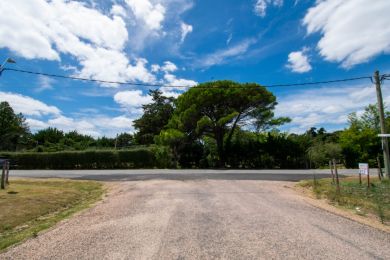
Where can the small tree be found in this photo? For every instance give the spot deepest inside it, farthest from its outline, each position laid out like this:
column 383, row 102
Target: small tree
column 320, row 153
column 156, row 115
column 13, row 128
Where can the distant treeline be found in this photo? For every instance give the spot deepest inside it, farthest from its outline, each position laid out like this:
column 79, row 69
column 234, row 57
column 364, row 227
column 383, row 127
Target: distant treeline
column 219, row 124
column 99, row 159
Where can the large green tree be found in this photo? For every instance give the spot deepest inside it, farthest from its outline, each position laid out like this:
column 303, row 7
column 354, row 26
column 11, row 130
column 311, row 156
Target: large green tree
column 155, row 116
column 13, row 128
column 360, row 140
column 216, row 109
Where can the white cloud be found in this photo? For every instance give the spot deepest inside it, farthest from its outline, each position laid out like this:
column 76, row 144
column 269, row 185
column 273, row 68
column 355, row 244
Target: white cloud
column 118, row 10
column 151, row 14
column 166, row 68
column 40, row 115
column 98, row 41
column 174, row 81
column 45, row 30
column 260, row 7
column 96, row 126
column 185, row 29
column 298, row 61
column 38, row 29
column 169, row 67
column 326, row 107
column 222, row 55
column 353, row 31
column 44, row 83
column 27, row 105
column 132, row 98
column 35, row 124
column 34, row 28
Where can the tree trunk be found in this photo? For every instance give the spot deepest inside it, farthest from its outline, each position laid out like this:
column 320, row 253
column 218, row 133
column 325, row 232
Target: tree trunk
column 220, row 148
column 229, row 138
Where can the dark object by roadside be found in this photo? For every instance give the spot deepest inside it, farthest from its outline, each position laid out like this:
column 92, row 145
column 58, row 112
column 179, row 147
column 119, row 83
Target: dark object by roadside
column 4, row 163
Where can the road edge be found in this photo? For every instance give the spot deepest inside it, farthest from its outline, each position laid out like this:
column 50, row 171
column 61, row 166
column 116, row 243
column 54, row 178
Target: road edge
column 324, row 204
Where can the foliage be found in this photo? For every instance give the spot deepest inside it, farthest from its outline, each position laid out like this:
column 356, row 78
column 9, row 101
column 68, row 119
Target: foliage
column 360, row 142
column 54, row 140
column 13, row 128
column 217, row 109
column 321, row 153
column 155, row 116
column 97, row 159
column 124, row 140
column 214, row 124
column 352, row 195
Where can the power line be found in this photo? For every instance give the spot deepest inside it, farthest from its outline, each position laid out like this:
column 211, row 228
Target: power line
column 319, row 82
column 181, row 86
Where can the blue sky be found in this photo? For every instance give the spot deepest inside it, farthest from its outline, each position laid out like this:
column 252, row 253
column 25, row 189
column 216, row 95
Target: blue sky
column 185, row 42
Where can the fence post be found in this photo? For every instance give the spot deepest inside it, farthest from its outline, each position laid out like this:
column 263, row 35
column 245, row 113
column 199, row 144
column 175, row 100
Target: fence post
column 3, row 176
column 379, row 168
column 7, row 173
column 331, row 170
column 337, row 176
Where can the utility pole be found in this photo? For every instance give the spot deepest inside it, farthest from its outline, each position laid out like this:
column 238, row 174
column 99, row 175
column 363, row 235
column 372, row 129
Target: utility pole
column 385, row 143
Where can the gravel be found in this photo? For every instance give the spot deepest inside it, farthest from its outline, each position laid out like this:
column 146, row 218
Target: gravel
column 205, row 219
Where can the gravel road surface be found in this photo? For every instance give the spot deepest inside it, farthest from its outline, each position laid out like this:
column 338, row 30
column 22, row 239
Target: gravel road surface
column 205, row 219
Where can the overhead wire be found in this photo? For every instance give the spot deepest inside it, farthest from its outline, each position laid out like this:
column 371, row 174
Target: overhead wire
column 385, row 76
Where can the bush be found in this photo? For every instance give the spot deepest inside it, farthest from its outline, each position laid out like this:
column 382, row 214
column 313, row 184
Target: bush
column 99, row 159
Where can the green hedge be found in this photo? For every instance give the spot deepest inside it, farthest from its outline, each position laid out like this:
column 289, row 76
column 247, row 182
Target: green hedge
column 121, row 159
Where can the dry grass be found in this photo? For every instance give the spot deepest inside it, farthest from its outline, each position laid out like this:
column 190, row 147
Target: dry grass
column 28, row 206
column 364, row 201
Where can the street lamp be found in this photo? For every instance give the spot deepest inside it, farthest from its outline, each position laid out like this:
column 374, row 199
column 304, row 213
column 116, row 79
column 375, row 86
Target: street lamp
column 7, row 60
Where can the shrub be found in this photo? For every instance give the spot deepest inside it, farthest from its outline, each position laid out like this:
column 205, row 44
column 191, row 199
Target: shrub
column 99, row 159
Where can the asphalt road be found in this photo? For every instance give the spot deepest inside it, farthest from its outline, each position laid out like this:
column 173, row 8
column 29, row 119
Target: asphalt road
column 164, row 174
column 205, row 219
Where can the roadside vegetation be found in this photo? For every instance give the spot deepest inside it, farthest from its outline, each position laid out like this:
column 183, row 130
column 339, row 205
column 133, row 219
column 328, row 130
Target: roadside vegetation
column 29, row 206
column 359, row 198
column 220, row 124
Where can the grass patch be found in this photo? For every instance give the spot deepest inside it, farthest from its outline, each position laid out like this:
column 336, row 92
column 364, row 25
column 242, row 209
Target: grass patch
column 28, row 206
column 364, row 201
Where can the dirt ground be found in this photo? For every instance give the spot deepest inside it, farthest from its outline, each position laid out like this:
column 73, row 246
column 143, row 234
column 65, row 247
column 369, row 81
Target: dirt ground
column 205, row 219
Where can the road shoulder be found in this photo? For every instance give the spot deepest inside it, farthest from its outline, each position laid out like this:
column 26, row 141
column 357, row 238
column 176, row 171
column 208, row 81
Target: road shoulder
column 324, row 204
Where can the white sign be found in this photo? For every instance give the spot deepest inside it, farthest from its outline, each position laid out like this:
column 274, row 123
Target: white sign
column 363, row 168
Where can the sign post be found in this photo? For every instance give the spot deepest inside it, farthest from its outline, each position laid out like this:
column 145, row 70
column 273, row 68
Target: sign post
column 364, row 169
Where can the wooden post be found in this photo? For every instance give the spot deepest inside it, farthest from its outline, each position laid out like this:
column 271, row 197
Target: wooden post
column 3, row 177
column 7, row 173
column 386, row 153
column 337, row 176
column 379, row 168
column 360, row 178
column 331, row 170
column 368, row 178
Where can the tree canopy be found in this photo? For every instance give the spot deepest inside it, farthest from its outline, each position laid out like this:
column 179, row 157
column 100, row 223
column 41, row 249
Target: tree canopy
column 155, row 116
column 359, row 141
column 217, row 109
column 13, row 128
